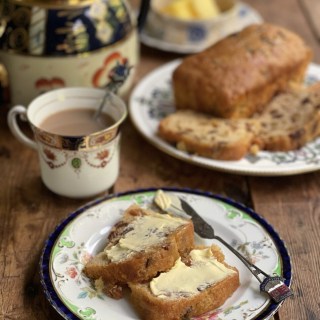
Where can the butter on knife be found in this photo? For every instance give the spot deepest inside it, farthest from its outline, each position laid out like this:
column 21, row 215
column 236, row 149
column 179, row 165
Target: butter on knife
column 170, row 203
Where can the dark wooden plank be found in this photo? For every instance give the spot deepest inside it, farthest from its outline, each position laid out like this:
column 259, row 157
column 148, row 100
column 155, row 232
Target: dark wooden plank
column 289, row 14
column 291, row 205
column 311, row 9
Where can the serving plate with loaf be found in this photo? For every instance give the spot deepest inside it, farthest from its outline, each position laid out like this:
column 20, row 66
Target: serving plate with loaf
column 73, row 260
column 248, row 104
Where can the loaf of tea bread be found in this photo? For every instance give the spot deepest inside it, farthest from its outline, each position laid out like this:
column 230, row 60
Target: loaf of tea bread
column 238, row 76
column 142, row 244
column 199, row 133
column 288, row 122
column 196, row 284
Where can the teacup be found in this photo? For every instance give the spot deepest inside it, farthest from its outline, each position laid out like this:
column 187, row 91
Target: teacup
column 77, row 165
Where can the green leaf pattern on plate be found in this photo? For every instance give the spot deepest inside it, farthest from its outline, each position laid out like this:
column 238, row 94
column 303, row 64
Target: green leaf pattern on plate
column 66, row 242
column 87, row 313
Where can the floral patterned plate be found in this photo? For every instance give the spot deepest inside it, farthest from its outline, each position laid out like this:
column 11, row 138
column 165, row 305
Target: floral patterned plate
column 246, row 15
column 84, row 233
column 152, row 99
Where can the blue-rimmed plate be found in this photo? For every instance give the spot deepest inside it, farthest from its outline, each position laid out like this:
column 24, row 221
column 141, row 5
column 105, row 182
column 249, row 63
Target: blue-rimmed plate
column 84, row 233
column 152, row 100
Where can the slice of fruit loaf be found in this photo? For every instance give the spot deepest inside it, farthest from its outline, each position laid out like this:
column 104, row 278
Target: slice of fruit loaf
column 290, row 120
column 142, row 244
column 196, row 284
column 210, row 137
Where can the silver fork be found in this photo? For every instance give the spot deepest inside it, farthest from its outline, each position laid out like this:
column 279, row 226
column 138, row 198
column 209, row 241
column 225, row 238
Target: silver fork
column 274, row 286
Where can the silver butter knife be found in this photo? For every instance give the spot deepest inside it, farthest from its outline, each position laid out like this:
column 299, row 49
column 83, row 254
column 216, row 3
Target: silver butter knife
column 274, row 286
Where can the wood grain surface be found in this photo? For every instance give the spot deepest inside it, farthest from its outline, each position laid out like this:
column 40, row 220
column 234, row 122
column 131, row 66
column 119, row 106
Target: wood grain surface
column 29, row 212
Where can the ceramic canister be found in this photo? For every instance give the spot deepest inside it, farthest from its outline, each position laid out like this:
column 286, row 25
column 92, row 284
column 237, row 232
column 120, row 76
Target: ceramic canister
column 46, row 45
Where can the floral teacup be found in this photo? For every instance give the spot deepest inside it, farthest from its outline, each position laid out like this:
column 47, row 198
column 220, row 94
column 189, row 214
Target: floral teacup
column 73, row 166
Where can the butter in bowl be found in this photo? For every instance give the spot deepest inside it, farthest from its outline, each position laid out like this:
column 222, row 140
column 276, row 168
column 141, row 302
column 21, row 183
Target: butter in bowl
column 190, row 22
column 191, row 9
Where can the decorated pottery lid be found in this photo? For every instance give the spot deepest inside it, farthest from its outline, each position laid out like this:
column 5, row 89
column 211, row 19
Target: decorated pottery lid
column 62, row 27
column 54, row 3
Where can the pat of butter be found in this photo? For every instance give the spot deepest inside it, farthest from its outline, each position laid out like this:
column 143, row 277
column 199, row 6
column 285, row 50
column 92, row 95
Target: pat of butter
column 185, row 281
column 192, row 9
column 205, row 9
column 145, row 231
column 162, row 200
column 180, row 9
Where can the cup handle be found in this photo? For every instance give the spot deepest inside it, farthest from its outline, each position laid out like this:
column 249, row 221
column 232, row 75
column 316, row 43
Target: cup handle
column 14, row 127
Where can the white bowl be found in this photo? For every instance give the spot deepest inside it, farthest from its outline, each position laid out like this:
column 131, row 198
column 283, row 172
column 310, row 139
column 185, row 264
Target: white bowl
column 197, row 32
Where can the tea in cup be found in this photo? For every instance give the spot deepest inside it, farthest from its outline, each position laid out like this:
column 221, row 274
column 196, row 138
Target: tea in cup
column 78, row 154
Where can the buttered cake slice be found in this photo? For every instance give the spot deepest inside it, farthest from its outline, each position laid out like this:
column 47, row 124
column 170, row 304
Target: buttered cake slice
column 194, row 285
column 142, row 244
column 185, row 280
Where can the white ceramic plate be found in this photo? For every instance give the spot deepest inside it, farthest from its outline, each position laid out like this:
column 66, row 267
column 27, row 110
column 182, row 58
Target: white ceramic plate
column 84, row 233
column 152, row 99
column 246, row 15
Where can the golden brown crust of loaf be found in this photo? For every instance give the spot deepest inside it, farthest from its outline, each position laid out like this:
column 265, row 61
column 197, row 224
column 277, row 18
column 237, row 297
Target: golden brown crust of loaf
column 237, row 76
column 207, row 136
column 143, row 265
column 151, row 307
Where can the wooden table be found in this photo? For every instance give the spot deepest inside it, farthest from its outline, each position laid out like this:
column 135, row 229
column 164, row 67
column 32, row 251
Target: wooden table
column 29, row 212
